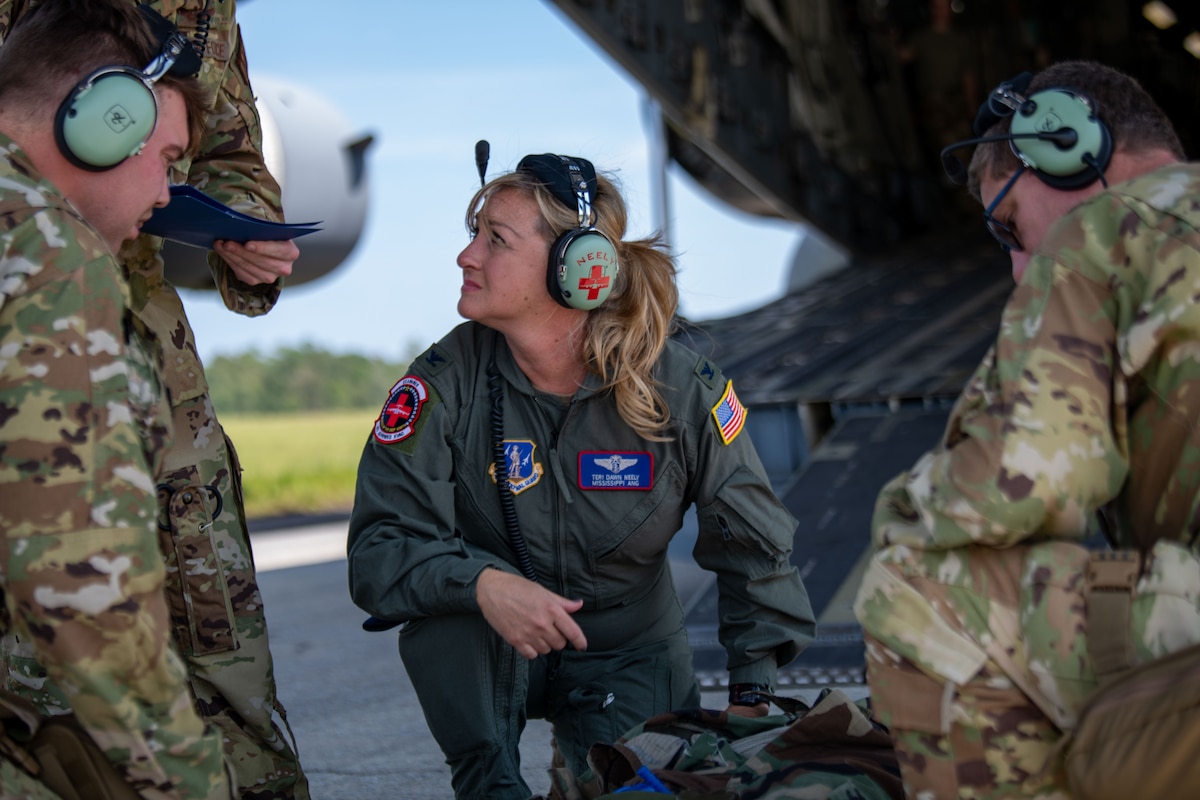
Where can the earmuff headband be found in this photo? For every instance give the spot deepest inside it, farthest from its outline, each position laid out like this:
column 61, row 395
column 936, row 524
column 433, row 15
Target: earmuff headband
column 109, row 115
column 570, row 180
column 1054, row 132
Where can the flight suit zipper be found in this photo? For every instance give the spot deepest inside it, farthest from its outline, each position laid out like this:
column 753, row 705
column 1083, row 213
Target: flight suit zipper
column 560, row 510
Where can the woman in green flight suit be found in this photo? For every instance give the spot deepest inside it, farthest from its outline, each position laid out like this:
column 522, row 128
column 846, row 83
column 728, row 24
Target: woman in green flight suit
column 517, row 496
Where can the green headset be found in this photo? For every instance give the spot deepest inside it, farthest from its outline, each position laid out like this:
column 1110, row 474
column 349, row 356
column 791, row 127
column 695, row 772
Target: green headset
column 111, row 113
column 582, row 268
column 1054, row 132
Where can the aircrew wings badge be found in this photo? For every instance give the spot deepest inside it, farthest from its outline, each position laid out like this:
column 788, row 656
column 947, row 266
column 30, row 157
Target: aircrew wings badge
column 400, row 413
column 729, row 414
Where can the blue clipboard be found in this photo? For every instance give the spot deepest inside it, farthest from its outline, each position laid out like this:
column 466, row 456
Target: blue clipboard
column 193, row 218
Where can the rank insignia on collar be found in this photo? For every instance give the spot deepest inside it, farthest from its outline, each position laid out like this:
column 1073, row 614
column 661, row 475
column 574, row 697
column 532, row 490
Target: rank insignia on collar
column 729, row 414
column 400, row 413
column 523, row 471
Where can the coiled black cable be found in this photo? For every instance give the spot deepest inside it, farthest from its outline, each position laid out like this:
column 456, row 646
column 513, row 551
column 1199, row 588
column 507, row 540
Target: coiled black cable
column 507, row 508
column 200, row 37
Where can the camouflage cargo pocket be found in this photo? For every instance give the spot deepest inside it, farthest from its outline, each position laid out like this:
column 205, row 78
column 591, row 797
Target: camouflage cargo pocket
column 197, row 593
column 905, row 698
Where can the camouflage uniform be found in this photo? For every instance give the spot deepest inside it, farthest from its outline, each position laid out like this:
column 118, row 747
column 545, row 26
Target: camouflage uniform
column 84, row 422
column 974, row 606
column 216, row 607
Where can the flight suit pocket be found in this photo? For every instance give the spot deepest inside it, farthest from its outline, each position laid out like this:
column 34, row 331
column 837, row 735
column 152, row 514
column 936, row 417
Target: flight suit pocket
column 756, row 530
column 197, row 593
column 592, row 717
column 627, row 558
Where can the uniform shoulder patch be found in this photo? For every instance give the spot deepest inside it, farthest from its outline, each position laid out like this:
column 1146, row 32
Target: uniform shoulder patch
column 729, row 415
column 398, row 419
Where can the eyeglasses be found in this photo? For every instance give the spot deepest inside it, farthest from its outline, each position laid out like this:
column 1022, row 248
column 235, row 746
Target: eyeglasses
column 1004, row 234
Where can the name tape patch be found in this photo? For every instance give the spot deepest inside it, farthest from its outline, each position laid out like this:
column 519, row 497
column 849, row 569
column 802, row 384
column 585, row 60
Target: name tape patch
column 602, row 469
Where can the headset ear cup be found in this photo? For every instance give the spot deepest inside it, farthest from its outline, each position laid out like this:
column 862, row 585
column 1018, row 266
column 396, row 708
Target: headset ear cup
column 1062, row 168
column 583, row 269
column 106, row 118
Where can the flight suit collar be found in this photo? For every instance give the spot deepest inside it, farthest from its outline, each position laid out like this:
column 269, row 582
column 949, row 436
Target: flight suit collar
column 512, row 373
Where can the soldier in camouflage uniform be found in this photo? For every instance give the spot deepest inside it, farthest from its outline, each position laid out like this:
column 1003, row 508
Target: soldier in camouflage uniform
column 974, row 605
column 84, row 418
column 216, row 607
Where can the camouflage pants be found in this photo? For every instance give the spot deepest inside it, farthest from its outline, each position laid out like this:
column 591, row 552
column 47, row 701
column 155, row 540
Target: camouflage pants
column 977, row 658
column 217, row 612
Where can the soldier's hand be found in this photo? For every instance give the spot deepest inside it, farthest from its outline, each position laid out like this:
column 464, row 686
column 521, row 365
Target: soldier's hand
column 255, row 263
column 529, row 617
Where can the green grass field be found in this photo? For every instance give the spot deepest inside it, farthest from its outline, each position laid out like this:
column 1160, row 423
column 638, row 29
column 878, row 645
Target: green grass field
column 299, row 463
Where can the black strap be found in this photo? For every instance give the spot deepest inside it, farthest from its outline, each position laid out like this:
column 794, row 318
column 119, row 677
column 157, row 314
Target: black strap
column 511, row 525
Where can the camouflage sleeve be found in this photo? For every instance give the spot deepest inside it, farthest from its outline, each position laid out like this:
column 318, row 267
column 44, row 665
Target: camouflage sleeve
column 1032, row 447
column 82, row 417
column 92, row 603
column 11, row 12
column 8, row 13
column 229, row 166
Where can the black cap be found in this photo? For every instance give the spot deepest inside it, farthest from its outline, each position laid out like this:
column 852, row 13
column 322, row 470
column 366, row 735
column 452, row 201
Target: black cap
column 565, row 176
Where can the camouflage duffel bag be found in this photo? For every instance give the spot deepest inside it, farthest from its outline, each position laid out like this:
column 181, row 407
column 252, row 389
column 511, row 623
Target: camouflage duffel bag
column 832, row 750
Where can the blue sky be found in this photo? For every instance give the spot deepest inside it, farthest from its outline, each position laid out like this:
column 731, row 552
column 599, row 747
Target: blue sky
column 429, row 79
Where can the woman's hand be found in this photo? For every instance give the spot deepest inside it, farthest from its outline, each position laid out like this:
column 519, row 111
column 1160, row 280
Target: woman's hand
column 531, row 618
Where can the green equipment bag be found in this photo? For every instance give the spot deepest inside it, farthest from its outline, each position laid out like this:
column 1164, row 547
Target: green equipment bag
column 832, row 750
column 1138, row 735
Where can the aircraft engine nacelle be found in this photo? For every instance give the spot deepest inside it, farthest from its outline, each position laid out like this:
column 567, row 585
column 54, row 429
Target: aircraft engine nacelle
column 321, row 167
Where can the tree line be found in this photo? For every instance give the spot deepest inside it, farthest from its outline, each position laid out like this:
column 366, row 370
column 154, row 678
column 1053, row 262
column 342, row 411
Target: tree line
column 305, row 378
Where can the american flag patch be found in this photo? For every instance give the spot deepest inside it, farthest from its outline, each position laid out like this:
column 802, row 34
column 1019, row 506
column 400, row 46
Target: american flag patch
column 729, row 414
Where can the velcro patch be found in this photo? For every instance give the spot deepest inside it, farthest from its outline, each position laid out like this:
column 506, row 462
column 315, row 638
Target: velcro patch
column 523, row 470
column 400, row 413
column 601, row 469
column 729, row 414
